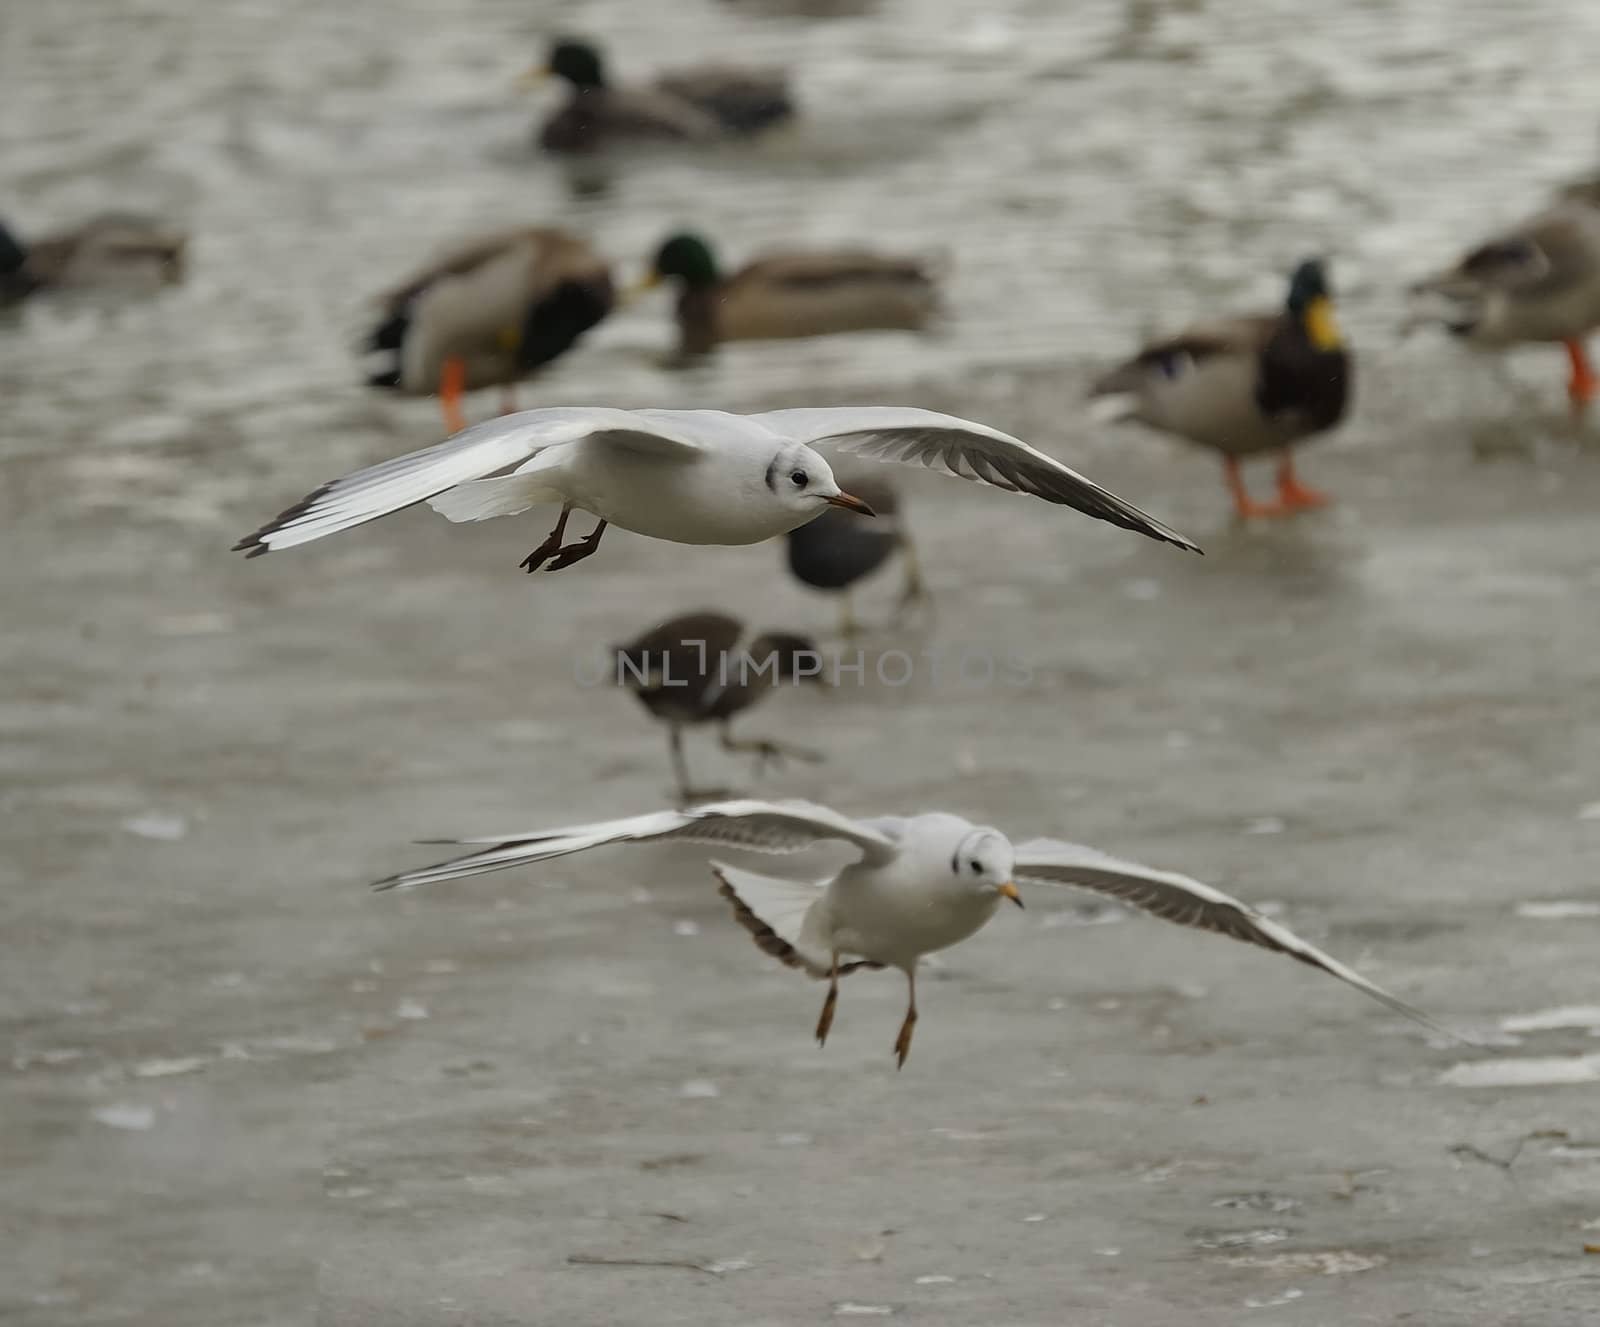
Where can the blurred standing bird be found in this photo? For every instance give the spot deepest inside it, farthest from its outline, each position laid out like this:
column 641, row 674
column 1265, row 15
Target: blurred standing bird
column 113, row 249
column 791, row 293
column 699, row 104
column 1536, row 281
column 836, row 550
column 1243, row 385
column 488, row 313
column 691, row 670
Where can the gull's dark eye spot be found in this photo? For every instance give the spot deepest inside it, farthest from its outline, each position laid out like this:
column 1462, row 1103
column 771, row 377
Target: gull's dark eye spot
column 976, row 869
column 798, row 478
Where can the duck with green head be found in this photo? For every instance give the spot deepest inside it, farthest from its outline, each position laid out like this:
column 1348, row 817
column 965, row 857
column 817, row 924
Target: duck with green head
column 791, row 293
column 699, row 104
column 1245, row 384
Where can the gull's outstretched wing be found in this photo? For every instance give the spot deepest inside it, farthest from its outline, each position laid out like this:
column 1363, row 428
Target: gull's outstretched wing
column 964, row 449
column 1177, row 898
column 484, row 449
column 773, row 827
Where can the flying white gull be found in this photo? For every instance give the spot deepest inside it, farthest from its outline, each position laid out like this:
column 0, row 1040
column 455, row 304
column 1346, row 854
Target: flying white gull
column 923, row 883
column 689, row 476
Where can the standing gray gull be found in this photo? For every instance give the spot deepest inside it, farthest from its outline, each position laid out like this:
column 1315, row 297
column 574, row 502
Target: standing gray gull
column 691, row 670
column 922, row 883
column 687, row 476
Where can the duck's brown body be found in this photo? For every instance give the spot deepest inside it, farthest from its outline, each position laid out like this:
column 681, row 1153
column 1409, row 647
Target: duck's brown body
column 1239, row 386
column 788, row 295
column 490, row 313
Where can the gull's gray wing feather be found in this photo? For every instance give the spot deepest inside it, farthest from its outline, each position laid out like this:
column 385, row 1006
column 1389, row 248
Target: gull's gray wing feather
column 1177, row 898
column 772, row 827
column 475, row 453
column 964, row 449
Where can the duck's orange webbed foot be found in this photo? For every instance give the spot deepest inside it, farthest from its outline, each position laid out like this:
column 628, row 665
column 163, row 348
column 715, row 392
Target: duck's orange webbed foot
column 1583, row 386
column 1292, row 494
column 1245, row 507
column 452, row 386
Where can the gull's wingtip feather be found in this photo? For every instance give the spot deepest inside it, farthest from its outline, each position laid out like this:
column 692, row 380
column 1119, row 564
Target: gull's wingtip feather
column 256, row 544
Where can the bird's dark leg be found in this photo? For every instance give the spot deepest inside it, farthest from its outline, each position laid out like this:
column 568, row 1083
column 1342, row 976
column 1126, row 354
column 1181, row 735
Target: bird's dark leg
column 580, row 550
column 767, row 750
column 452, row 383
column 913, row 594
column 687, row 792
column 1244, row 506
column 825, row 1019
column 847, row 618
column 679, row 767
column 551, row 546
column 1292, row 494
column 902, row 1043
column 508, row 399
column 1583, row 386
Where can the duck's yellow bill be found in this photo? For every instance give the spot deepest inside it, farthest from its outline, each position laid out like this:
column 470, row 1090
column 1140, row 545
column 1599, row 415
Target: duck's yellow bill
column 532, row 77
column 643, row 286
column 1322, row 328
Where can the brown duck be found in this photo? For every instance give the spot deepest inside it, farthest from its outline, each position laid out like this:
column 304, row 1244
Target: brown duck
column 1245, row 385
column 489, row 313
column 700, row 104
column 791, row 294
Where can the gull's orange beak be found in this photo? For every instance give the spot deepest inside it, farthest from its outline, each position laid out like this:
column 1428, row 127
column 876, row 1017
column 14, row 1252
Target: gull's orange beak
column 1009, row 890
column 850, row 503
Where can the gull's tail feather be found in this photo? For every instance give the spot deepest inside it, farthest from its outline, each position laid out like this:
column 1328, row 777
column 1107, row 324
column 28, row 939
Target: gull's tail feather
column 774, row 912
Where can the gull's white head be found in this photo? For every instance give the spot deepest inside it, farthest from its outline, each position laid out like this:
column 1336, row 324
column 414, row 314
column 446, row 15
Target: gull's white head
column 803, row 482
column 985, row 861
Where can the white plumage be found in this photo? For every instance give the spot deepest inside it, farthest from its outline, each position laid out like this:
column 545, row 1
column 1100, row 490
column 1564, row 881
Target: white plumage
column 921, row 884
column 689, row 476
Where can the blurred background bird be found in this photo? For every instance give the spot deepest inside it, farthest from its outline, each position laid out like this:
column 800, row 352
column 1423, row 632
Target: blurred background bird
column 834, row 552
column 489, row 313
column 692, row 670
column 1536, row 281
column 703, row 103
column 1245, row 384
column 790, row 293
column 113, row 249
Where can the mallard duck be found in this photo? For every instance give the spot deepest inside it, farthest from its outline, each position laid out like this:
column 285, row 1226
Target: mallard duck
column 791, row 294
column 691, row 670
column 1536, row 281
column 115, row 248
column 490, row 313
column 831, row 554
column 1246, row 384
column 698, row 104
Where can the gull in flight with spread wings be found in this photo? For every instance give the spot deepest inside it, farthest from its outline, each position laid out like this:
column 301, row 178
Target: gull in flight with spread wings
column 922, row 883
column 689, row 476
